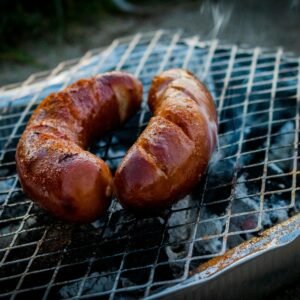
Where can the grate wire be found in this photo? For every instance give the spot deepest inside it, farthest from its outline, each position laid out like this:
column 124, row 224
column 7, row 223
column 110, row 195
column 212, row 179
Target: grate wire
column 252, row 182
column 270, row 120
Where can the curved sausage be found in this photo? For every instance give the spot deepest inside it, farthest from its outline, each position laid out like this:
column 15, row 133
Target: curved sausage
column 173, row 151
column 53, row 167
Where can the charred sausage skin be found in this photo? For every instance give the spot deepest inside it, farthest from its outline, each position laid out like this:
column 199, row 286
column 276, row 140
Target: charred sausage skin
column 173, row 152
column 54, row 167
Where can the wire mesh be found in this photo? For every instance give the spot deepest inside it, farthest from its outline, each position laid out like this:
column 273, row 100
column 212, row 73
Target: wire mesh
column 251, row 184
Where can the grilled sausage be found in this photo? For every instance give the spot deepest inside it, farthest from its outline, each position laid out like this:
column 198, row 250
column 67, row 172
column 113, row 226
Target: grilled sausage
column 172, row 153
column 53, row 167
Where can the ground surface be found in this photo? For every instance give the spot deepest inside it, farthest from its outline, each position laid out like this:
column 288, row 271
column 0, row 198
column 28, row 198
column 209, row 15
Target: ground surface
column 258, row 23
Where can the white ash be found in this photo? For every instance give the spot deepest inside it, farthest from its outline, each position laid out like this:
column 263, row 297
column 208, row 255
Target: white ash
column 244, row 204
column 182, row 216
column 31, row 221
column 277, row 215
column 241, row 191
column 114, row 152
column 97, row 224
column 216, row 157
column 116, row 206
column 275, row 168
column 13, row 227
column 207, row 229
column 6, row 185
column 181, row 232
column 186, row 232
column 93, row 284
column 285, row 138
column 117, row 156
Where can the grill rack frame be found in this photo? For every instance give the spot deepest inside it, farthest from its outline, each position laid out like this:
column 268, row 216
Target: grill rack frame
column 73, row 69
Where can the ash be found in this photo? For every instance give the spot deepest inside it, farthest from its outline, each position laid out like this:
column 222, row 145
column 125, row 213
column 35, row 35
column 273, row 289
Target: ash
column 241, row 205
column 95, row 283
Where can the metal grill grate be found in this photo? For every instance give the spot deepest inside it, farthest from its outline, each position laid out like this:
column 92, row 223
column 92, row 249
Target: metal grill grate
column 251, row 184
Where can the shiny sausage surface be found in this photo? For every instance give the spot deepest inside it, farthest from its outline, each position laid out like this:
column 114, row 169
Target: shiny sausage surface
column 54, row 167
column 173, row 152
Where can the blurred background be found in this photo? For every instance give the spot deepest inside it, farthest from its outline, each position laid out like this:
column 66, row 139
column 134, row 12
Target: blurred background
column 37, row 35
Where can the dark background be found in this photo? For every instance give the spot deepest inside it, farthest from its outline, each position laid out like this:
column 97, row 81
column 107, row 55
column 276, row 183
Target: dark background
column 37, row 35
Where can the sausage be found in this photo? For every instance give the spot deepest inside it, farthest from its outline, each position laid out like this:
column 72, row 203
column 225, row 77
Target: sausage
column 173, row 152
column 53, row 165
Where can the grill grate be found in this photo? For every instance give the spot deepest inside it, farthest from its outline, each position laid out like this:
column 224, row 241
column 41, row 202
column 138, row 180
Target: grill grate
column 251, row 184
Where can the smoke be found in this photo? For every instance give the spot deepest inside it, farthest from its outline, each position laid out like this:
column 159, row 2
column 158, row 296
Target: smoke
column 218, row 14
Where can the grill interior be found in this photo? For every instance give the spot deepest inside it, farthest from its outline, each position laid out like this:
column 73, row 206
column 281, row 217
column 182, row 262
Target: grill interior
column 251, row 184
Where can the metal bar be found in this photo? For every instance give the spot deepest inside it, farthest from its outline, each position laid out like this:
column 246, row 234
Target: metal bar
column 169, row 51
column 198, row 219
column 105, row 54
column 187, row 58
column 143, row 60
column 268, row 142
column 192, row 44
column 227, row 78
column 210, row 56
column 38, row 245
column 240, row 142
column 84, row 278
column 129, row 49
column 266, row 91
column 152, row 45
column 162, row 66
column 22, row 116
column 62, row 254
column 237, row 69
column 296, row 140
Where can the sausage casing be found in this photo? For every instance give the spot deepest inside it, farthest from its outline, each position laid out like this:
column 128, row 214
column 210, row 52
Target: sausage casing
column 174, row 150
column 54, row 167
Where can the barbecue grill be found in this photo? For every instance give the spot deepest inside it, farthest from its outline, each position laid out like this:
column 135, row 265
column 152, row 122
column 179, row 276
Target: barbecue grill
column 239, row 224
